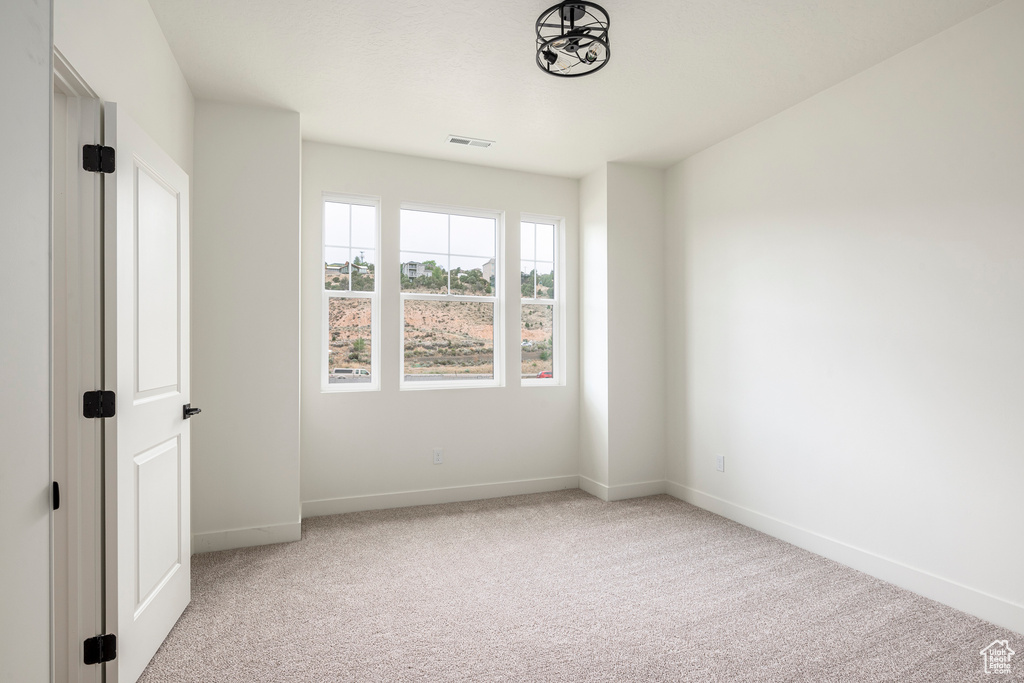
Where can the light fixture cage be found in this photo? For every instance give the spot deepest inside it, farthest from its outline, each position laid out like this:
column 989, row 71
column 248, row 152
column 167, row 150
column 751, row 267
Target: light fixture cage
column 572, row 39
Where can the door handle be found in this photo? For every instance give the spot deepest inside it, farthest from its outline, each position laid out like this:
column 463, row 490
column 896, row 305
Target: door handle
column 188, row 411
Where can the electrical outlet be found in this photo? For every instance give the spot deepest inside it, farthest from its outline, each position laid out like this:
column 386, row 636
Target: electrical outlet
column 720, row 463
column 438, row 456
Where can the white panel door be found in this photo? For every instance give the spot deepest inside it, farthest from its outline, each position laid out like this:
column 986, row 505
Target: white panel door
column 146, row 356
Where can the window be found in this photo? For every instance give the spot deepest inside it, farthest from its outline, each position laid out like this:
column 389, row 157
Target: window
column 540, row 347
column 351, row 294
column 450, row 283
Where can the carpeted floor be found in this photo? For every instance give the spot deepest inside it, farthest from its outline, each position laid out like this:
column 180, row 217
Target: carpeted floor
column 556, row 587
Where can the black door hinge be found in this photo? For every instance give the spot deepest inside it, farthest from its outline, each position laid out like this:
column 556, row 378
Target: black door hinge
column 56, row 496
column 98, row 159
column 98, row 404
column 99, row 649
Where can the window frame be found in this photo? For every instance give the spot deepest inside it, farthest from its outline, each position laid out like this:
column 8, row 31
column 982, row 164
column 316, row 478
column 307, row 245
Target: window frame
column 497, row 298
column 374, row 296
column 558, row 353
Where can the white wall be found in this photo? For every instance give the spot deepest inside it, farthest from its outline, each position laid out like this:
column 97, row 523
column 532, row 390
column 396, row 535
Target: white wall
column 594, row 332
column 622, row 423
column 120, row 51
column 852, row 321
column 245, row 326
column 636, row 330
column 361, row 449
column 25, row 72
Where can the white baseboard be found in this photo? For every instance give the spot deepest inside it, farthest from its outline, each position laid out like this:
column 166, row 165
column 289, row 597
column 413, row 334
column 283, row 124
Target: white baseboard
column 622, row 491
column 451, row 494
column 636, row 490
column 983, row 605
column 594, row 488
column 243, row 538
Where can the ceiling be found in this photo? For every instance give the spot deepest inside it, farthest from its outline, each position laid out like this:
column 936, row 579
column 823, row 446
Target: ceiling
column 400, row 76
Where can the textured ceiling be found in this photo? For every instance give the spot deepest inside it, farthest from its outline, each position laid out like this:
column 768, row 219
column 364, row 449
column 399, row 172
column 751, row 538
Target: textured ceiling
column 401, row 75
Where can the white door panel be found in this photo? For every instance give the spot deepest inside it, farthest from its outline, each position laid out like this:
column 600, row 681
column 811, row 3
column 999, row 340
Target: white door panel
column 158, row 495
column 147, row 364
column 157, row 238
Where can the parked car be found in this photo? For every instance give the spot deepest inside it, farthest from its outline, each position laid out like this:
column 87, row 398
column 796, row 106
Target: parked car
column 526, row 342
column 351, row 372
column 544, row 374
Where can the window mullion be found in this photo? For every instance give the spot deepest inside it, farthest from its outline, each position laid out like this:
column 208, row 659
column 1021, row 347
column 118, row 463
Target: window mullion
column 342, row 294
column 412, row 296
column 535, row 259
column 350, row 247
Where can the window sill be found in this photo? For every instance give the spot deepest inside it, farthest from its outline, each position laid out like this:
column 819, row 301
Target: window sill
column 349, row 388
column 449, row 384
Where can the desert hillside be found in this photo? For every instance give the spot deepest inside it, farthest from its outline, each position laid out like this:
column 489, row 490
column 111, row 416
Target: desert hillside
column 349, row 322
column 449, row 337
column 441, row 337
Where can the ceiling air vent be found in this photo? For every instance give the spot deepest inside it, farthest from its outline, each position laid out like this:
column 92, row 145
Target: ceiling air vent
column 468, row 142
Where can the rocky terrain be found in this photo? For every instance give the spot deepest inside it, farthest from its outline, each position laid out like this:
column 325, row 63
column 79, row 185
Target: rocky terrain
column 441, row 337
column 349, row 322
column 449, row 337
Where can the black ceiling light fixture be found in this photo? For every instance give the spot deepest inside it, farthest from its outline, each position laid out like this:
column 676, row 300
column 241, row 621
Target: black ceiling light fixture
column 572, row 39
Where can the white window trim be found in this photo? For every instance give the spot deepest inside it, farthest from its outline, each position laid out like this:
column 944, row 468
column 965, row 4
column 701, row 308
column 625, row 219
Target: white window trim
column 498, row 299
column 558, row 302
column 326, row 295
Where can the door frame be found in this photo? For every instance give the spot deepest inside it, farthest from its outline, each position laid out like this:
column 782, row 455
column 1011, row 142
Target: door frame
column 77, row 336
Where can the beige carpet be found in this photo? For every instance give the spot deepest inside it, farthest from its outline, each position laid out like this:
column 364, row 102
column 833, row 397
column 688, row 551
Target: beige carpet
column 556, row 587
